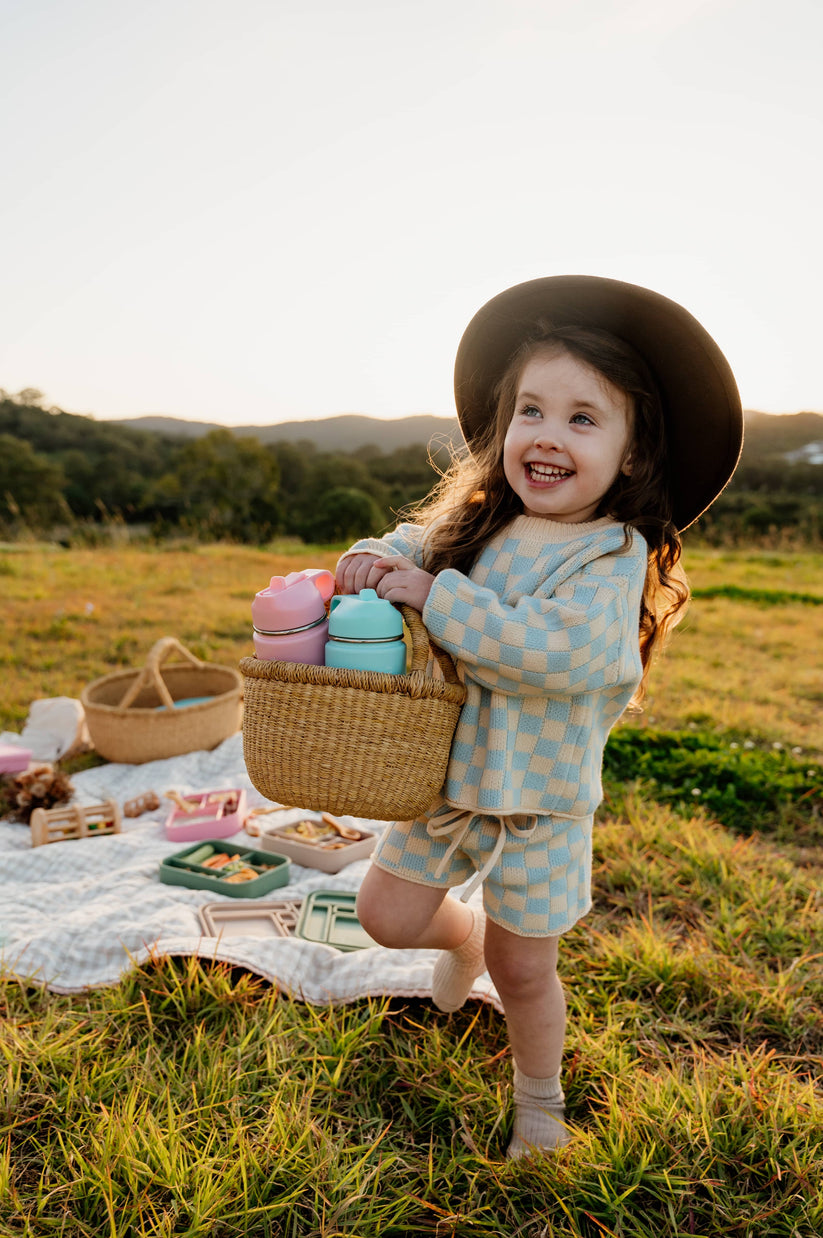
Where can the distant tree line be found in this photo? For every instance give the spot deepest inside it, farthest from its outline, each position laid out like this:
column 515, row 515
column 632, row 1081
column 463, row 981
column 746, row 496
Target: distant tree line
column 68, row 475
column 68, row 472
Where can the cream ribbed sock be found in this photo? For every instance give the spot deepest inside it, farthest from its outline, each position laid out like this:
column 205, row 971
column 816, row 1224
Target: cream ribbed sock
column 456, row 970
column 538, row 1116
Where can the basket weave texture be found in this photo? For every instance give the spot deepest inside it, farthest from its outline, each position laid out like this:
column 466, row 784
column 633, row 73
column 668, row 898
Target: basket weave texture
column 126, row 725
column 346, row 741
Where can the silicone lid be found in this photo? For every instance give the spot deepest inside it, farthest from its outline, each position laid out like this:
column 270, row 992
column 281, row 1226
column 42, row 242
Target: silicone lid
column 292, row 601
column 364, row 617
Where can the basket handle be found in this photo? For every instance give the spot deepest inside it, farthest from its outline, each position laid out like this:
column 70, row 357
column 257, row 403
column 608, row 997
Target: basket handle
column 150, row 674
column 421, row 643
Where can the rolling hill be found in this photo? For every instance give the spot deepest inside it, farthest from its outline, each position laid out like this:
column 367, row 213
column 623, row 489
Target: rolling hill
column 768, row 436
column 347, row 432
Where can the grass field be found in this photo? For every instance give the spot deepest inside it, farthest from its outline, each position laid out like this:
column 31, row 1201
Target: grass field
column 193, row 1101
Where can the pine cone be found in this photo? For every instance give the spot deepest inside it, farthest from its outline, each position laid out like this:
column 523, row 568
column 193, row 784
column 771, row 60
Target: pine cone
column 41, row 787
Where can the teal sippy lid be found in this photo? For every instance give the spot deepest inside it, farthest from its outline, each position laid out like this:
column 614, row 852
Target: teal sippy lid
column 364, row 616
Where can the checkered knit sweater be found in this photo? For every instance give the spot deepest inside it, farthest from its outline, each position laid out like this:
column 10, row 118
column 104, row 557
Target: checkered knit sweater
column 544, row 632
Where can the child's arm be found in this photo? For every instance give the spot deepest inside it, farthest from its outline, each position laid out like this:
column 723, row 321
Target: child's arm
column 581, row 638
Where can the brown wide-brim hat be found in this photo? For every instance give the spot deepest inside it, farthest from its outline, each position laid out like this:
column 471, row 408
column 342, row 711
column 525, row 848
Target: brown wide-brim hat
column 701, row 404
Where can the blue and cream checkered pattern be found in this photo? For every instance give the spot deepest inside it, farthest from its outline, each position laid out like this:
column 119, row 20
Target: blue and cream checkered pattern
column 536, row 870
column 544, row 630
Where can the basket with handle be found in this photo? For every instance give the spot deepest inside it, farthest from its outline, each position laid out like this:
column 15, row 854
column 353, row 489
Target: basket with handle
column 132, row 716
column 348, row 741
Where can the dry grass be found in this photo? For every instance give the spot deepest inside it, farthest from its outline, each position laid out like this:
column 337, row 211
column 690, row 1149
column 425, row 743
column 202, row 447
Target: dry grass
column 189, row 1100
column 743, row 666
column 71, row 616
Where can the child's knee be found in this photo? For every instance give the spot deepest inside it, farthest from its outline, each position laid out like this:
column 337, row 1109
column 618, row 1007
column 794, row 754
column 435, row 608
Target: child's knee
column 515, row 978
column 370, row 915
column 521, row 967
column 378, row 914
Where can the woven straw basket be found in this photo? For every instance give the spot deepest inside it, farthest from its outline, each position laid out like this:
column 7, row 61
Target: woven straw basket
column 125, row 723
column 359, row 742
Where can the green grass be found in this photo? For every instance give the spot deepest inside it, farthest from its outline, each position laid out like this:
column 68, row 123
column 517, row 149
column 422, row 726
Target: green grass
column 764, row 597
column 743, row 786
column 191, row 1100
column 194, row 1100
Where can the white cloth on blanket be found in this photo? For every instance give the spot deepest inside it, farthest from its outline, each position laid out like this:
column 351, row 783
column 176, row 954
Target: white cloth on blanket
column 78, row 914
column 55, row 725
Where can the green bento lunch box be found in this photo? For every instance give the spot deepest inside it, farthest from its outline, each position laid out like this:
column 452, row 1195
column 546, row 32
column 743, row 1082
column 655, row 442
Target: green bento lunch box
column 187, row 868
column 329, row 916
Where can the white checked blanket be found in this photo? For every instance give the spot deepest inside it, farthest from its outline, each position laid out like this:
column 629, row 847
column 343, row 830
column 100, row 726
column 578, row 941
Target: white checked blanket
column 77, row 914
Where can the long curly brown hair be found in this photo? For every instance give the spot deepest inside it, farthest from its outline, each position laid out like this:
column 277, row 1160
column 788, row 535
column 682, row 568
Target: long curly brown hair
column 473, row 500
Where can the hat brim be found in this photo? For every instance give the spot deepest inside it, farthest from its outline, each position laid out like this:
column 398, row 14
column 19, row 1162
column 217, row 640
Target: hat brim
column 701, row 404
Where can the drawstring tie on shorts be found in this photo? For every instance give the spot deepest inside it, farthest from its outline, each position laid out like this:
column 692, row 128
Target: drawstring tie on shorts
column 455, row 822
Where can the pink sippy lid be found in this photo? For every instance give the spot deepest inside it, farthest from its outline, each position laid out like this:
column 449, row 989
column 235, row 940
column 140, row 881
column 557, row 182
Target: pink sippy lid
column 292, row 601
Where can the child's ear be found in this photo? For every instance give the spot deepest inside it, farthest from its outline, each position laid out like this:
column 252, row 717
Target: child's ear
column 627, row 465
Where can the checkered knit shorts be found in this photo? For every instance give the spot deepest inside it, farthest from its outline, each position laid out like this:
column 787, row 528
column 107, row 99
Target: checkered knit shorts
column 536, row 870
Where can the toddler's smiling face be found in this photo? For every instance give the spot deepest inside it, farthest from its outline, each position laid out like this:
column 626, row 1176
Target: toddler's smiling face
column 568, row 439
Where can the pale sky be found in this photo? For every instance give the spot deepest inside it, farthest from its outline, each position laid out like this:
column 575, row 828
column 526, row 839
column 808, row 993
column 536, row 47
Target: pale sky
column 263, row 210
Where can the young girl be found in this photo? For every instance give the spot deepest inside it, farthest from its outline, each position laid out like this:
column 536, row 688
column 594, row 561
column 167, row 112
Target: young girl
column 601, row 420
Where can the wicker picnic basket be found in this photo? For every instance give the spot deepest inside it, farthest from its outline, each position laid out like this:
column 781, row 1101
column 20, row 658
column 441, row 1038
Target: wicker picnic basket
column 132, row 718
column 359, row 742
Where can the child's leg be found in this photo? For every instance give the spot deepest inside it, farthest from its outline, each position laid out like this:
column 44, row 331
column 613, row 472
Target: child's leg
column 406, row 915
column 524, row 971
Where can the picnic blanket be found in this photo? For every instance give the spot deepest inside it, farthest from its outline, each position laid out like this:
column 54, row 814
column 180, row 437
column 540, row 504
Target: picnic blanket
column 78, row 914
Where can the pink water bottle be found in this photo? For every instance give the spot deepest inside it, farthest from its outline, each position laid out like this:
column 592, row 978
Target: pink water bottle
column 289, row 617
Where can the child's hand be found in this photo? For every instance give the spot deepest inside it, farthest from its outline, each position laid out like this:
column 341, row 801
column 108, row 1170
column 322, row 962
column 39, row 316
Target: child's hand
column 403, row 582
column 356, row 572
